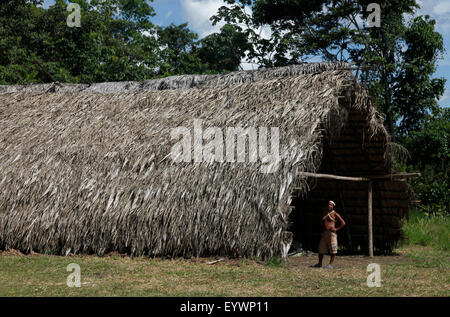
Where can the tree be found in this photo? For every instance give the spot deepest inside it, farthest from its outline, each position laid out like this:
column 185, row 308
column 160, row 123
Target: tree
column 15, row 29
column 182, row 53
column 430, row 154
column 178, row 50
column 222, row 52
column 115, row 42
column 389, row 55
column 415, row 90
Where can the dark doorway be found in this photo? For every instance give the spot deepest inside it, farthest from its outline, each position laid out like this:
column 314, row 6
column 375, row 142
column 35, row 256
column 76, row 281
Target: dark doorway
column 308, row 211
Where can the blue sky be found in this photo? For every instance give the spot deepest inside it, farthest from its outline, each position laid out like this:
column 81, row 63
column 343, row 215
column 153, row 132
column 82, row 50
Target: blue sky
column 198, row 12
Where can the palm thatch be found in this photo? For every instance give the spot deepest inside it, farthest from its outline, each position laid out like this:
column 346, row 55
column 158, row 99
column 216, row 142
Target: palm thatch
column 86, row 168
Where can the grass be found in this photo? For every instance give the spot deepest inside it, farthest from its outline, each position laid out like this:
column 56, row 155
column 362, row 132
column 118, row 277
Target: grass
column 432, row 231
column 420, row 268
column 416, row 271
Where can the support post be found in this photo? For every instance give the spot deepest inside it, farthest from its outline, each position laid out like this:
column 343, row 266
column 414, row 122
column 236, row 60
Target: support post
column 369, row 214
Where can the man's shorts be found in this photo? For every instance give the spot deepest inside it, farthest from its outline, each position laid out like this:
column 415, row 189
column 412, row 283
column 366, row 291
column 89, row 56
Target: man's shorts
column 328, row 243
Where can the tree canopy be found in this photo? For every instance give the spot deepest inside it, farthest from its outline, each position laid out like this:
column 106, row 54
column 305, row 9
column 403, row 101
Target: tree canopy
column 116, row 42
column 338, row 30
column 38, row 46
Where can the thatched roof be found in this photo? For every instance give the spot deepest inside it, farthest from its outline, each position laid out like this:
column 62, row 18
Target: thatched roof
column 86, row 169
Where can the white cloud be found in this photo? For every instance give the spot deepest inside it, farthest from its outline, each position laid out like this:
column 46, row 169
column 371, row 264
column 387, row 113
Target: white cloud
column 445, row 97
column 198, row 12
column 249, row 66
column 438, row 10
column 442, row 8
column 48, row 3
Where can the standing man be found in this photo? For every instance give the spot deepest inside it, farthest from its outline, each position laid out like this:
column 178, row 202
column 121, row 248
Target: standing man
column 328, row 240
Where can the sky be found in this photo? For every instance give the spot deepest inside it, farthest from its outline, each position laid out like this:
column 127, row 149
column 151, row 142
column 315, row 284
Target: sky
column 198, row 12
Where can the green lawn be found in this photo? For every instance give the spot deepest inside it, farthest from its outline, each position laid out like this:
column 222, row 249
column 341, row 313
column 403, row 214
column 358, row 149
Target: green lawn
column 416, row 271
column 421, row 267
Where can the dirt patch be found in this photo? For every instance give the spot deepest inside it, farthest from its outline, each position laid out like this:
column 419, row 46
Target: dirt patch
column 347, row 261
column 296, row 261
column 11, row 252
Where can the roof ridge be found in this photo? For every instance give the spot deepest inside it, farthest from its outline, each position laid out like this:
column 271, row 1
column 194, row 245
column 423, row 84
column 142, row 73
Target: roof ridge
column 182, row 81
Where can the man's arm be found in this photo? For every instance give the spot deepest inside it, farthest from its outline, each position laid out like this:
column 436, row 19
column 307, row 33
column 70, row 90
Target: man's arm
column 341, row 221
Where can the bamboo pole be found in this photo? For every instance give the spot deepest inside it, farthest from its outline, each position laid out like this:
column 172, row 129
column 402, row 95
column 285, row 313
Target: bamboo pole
column 397, row 175
column 369, row 203
column 360, row 179
column 369, row 215
column 330, row 176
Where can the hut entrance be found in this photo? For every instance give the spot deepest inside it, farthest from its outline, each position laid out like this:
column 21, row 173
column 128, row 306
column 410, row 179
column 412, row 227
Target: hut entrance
column 307, row 214
column 370, row 199
column 351, row 154
column 372, row 207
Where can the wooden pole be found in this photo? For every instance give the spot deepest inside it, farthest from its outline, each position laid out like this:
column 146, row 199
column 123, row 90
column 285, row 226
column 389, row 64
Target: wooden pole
column 330, row 176
column 363, row 179
column 360, row 179
column 395, row 176
column 370, row 228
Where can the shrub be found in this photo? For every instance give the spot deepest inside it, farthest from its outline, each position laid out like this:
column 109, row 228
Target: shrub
column 428, row 230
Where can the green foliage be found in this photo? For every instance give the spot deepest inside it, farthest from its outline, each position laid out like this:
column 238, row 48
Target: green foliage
column 182, row 53
column 397, row 59
column 274, row 261
column 433, row 191
column 37, row 45
column 415, row 92
column 222, row 52
column 430, row 154
column 432, row 230
column 431, row 145
column 177, row 55
column 116, row 42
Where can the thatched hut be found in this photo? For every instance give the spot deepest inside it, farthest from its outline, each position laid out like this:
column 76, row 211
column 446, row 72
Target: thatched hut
column 87, row 168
